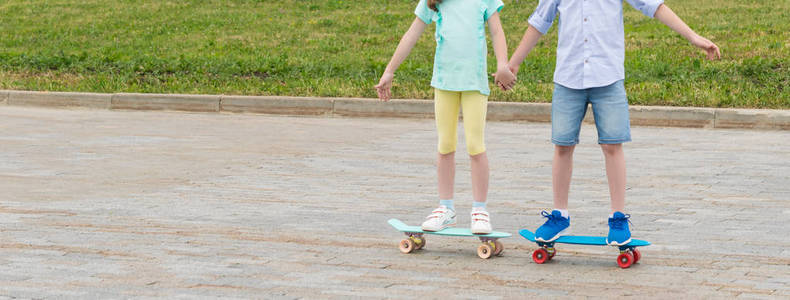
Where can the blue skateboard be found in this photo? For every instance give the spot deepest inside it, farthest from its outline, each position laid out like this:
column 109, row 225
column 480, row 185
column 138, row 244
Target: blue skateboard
column 415, row 239
column 628, row 253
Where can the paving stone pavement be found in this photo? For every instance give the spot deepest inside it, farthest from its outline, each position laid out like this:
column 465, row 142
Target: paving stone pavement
column 109, row 204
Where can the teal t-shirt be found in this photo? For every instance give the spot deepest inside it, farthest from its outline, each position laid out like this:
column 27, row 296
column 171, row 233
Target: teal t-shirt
column 461, row 51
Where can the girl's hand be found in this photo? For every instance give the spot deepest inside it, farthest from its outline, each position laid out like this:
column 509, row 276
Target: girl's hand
column 384, row 86
column 504, row 78
column 710, row 48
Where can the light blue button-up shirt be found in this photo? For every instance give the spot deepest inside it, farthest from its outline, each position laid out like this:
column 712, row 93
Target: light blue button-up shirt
column 591, row 47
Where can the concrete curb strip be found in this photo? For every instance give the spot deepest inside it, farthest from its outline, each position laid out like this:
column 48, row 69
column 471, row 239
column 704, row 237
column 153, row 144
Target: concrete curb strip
column 753, row 118
column 196, row 103
column 510, row 111
column 672, row 116
column 359, row 107
column 59, row 99
column 355, row 107
column 276, row 105
column 781, row 119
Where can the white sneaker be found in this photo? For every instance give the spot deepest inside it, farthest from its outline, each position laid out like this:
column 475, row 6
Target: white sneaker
column 481, row 223
column 441, row 218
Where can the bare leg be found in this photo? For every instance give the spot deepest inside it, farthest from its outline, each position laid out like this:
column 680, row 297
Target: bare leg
column 561, row 171
column 446, row 173
column 615, row 173
column 480, row 173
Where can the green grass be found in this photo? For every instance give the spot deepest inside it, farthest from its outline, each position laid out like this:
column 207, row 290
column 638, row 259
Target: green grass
column 339, row 48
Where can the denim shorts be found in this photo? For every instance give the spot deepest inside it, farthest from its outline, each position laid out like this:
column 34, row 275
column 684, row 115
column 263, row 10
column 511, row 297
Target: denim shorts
column 609, row 106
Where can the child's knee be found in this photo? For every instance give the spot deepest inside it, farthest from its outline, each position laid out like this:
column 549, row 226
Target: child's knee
column 446, row 149
column 564, row 150
column 476, row 149
column 446, row 145
column 475, row 136
column 611, row 149
column 475, row 144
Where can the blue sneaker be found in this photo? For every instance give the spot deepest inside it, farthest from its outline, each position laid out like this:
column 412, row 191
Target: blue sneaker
column 555, row 226
column 619, row 234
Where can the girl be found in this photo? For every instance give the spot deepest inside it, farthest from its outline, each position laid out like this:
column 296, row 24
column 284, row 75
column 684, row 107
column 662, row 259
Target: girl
column 459, row 80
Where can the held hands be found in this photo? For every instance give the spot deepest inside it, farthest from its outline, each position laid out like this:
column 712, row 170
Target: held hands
column 504, row 78
column 709, row 47
column 383, row 89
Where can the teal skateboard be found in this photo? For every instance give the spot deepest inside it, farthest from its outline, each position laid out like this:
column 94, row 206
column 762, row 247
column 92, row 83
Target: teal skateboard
column 415, row 238
column 629, row 254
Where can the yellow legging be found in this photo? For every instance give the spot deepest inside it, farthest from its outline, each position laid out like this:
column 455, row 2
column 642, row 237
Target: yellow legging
column 475, row 106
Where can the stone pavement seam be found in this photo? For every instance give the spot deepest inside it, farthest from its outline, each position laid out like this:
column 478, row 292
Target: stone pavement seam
column 695, row 117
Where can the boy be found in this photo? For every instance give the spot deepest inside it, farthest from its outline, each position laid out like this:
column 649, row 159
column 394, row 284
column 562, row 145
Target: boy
column 590, row 69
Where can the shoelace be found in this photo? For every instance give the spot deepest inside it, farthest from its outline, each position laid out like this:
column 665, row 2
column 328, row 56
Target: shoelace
column 552, row 218
column 617, row 223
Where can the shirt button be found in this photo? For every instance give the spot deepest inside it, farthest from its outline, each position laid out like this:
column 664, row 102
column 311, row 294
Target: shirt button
column 587, row 60
column 585, row 19
column 585, row 40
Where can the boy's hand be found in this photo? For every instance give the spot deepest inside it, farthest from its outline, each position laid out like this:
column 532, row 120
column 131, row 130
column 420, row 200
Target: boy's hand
column 504, row 78
column 384, row 86
column 513, row 69
column 709, row 47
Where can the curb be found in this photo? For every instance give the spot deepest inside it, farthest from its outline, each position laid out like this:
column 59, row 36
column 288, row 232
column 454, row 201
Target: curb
column 356, row 107
column 694, row 117
column 276, row 105
column 753, row 119
column 59, row 100
column 512, row 111
column 177, row 102
column 3, row 97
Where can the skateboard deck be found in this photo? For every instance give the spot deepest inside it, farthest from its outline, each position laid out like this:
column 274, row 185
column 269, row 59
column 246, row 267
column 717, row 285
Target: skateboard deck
column 582, row 240
column 415, row 238
column 629, row 254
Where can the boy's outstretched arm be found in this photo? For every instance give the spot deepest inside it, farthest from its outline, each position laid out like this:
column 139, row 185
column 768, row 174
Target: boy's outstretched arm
column 503, row 77
column 404, row 48
column 669, row 18
column 530, row 39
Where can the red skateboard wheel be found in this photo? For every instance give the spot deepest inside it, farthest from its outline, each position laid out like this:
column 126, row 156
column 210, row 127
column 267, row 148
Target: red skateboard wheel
column 540, row 256
column 637, row 255
column 625, row 259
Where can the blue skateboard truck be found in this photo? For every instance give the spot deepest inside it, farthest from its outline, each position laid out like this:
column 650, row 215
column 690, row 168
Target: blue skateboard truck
column 629, row 254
